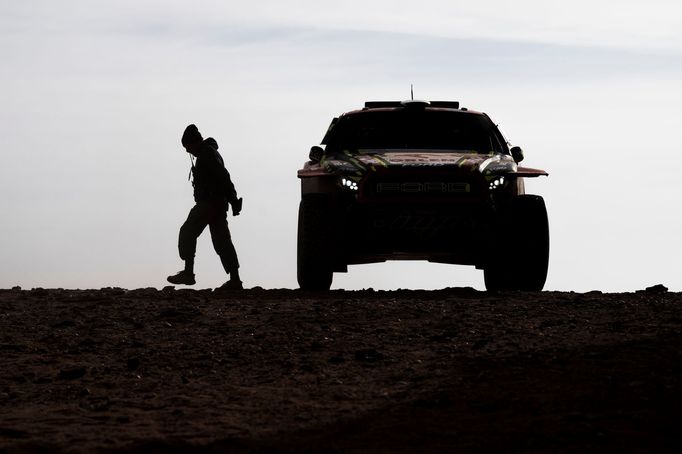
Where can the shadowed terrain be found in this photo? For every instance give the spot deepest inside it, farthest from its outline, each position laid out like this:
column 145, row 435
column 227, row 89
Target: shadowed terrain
column 116, row 370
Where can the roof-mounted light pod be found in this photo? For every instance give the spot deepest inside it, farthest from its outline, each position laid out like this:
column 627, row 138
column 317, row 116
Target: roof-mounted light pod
column 412, row 103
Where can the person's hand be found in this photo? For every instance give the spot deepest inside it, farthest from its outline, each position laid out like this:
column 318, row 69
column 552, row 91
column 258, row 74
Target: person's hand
column 237, row 206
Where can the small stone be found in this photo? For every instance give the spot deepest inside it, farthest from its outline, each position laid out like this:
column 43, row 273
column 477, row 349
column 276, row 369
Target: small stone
column 113, row 290
column 480, row 343
column 368, row 355
column 63, row 324
column 337, row 359
column 72, row 374
column 133, row 364
column 659, row 288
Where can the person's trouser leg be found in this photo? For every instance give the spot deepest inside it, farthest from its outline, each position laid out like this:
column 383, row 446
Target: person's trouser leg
column 197, row 220
column 222, row 243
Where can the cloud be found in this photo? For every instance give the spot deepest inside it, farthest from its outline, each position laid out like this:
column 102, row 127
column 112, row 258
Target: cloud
column 628, row 24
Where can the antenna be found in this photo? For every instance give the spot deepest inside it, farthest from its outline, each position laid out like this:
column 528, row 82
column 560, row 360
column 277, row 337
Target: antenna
column 412, row 92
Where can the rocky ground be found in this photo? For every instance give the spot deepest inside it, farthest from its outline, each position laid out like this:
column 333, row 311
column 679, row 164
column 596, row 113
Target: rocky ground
column 454, row 370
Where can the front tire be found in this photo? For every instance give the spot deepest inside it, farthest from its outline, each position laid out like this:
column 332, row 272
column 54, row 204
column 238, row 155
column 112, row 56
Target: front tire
column 523, row 267
column 314, row 264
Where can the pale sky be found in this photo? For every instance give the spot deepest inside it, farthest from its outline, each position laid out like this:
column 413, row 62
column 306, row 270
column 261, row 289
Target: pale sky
column 95, row 96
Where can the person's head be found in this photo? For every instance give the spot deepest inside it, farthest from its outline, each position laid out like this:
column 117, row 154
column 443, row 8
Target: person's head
column 191, row 139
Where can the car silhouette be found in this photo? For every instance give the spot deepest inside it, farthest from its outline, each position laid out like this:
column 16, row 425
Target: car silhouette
column 420, row 180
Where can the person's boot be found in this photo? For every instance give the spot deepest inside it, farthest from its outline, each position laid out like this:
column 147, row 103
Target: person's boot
column 232, row 284
column 182, row 277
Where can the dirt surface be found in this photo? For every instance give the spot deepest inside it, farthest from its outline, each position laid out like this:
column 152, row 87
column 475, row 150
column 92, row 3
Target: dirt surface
column 113, row 370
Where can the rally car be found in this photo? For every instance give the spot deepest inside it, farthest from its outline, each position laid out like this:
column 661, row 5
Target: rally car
column 420, row 180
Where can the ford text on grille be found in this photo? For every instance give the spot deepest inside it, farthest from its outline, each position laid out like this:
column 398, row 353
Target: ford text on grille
column 426, row 187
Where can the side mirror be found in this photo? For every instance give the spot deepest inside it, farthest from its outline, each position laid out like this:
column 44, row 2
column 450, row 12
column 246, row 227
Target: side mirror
column 517, row 154
column 316, row 153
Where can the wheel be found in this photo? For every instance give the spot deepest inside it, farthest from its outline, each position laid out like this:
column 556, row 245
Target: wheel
column 496, row 278
column 523, row 267
column 314, row 267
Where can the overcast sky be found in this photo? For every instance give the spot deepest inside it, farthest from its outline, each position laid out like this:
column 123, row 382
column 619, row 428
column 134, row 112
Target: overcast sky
column 95, row 96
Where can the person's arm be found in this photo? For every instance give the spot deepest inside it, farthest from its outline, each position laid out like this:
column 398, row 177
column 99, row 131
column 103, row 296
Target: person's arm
column 231, row 194
column 221, row 177
column 230, row 191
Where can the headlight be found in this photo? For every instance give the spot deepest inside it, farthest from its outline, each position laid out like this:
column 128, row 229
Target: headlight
column 349, row 184
column 497, row 183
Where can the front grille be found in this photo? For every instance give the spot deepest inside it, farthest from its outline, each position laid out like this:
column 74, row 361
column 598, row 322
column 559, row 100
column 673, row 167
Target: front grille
column 441, row 186
column 436, row 187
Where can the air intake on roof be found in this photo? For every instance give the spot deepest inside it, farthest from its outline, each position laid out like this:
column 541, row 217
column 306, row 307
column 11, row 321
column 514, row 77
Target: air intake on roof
column 445, row 104
column 378, row 104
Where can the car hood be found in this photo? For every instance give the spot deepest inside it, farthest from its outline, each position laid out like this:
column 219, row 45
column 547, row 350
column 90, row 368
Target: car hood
column 346, row 163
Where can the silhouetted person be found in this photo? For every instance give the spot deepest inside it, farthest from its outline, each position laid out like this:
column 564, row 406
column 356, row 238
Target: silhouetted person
column 213, row 194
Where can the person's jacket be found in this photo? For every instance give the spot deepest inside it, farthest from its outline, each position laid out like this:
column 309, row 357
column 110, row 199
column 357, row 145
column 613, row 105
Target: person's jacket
column 211, row 179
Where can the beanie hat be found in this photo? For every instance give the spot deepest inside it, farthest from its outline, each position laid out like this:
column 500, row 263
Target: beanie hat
column 191, row 135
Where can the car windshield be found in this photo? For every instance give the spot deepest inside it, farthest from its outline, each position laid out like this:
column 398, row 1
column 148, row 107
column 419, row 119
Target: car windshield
column 414, row 129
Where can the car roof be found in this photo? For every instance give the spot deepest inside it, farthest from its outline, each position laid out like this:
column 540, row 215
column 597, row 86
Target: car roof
column 390, row 106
